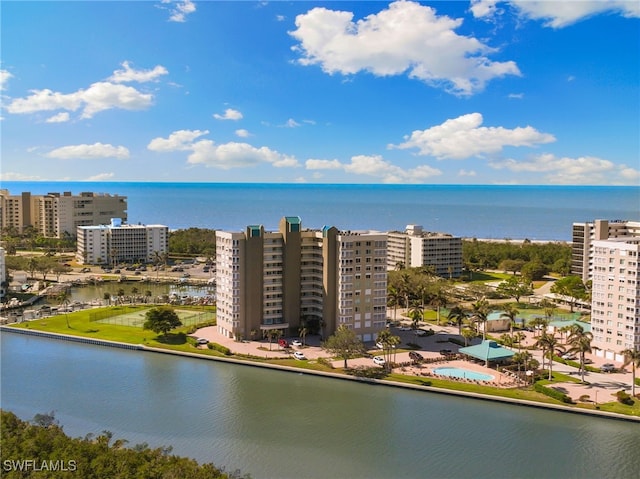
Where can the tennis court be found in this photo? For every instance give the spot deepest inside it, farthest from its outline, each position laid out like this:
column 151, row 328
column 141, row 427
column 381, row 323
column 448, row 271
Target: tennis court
column 137, row 318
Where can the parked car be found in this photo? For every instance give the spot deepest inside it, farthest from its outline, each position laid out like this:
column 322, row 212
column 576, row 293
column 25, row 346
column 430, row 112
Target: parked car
column 420, row 332
column 379, row 360
column 299, row 355
column 404, row 328
column 569, row 356
column 297, row 343
column 202, row 341
column 608, row 368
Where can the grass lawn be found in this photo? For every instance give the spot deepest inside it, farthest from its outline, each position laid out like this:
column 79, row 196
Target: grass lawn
column 80, row 325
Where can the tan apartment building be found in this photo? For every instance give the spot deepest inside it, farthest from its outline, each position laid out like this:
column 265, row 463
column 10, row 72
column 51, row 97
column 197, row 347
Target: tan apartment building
column 292, row 277
column 615, row 303
column 121, row 243
column 55, row 214
column 415, row 247
column 584, row 235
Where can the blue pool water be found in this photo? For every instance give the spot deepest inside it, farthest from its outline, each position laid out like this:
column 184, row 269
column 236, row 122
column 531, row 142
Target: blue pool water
column 463, row 374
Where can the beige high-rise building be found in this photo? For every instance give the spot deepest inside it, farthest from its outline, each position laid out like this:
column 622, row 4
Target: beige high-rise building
column 615, row 303
column 55, row 214
column 117, row 242
column 415, row 247
column 293, row 277
column 584, row 235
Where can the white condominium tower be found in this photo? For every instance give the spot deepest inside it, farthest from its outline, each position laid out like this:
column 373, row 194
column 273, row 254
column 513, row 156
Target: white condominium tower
column 584, row 235
column 117, row 242
column 53, row 215
column 615, row 304
column 283, row 280
column 415, row 247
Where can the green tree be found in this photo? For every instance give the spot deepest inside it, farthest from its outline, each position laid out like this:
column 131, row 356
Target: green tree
column 510, row 312
column 63, row 298
column 344, row 344
column 468, row 334
column 514, row 287
column 394, row 296
column 632, row 356
column 479, row 314
column 534, row 271
column 549, row 344
column 458, row 315
column 511, row 265
column 161, row 320
column 416, row 314
column 571, row 288
column 580, row 343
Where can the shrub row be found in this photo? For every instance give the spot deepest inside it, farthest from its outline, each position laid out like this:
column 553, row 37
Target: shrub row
column 220, row 348
column 552, row 393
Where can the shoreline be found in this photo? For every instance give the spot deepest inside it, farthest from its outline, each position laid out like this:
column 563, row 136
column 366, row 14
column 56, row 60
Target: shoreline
column 344, row 377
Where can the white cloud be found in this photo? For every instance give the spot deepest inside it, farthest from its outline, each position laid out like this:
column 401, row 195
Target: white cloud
column 558, row 14
column 515, row 96
column 178, row 10
column 101, row 177
column 464, row 172
column 376, row 166
column 584, row 170
column 11, row 176
column 98, row 97
column 224, row 156
column 89, row 152
column 280, row 18
column 61, row 117
column 404, row 38
column 291, row 123
column 312, row 164
column 229, row 114
column 242, row 133
column 463, row 137
column 128, row 74
column 181, row 140
column 5, row 76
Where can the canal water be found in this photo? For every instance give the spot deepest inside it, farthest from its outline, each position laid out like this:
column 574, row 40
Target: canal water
column 275, row 424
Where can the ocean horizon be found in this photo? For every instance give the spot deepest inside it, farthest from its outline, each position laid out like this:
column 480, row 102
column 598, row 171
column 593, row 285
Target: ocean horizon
column 534, row 212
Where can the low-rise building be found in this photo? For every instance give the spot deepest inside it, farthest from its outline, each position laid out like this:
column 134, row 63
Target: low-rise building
column 118, row 242
column 415, row 248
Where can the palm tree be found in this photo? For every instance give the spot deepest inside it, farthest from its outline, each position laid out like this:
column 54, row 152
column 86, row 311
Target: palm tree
column 510, row 312
column 439, row 300
column 303, row 331
column 416, row 313
column 518, row 338
column 63, row 298
column 632, row 356
column 467, row 334
column 459, row 315
column 580, row 343
column 548, row 342
column 539, row 323
column 480, row 311
column 393, row 299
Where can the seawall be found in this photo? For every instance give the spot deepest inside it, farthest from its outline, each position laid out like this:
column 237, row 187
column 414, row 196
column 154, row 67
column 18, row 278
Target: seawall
column 344, row 377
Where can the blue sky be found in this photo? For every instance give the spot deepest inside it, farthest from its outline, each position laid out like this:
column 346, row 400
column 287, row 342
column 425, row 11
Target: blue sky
column 480, row 92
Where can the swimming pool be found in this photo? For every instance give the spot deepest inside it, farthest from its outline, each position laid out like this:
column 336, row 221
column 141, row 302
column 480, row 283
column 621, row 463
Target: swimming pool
column 461, row 373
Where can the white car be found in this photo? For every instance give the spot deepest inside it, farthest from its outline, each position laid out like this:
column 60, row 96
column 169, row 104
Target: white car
column 404, row 328
column 379, row 360
column 299, row 355
column 420, row 332
column 608, row 368
column 202, row 341
column 569, row 356
column 296, row 342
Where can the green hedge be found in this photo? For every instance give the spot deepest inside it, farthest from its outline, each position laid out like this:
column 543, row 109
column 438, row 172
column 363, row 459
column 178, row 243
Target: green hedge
column 220, row 348
column 552, row 393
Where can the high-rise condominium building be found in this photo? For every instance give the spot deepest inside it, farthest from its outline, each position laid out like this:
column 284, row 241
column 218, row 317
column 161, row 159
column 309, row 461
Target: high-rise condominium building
column 293, row 277
column 415, row 247
column 615, row 304
column 53, row 215
column 117, row 242
column 3, row 275
column 584, row 235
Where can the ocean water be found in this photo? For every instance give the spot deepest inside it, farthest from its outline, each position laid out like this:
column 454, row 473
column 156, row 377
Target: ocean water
column 480, row 211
